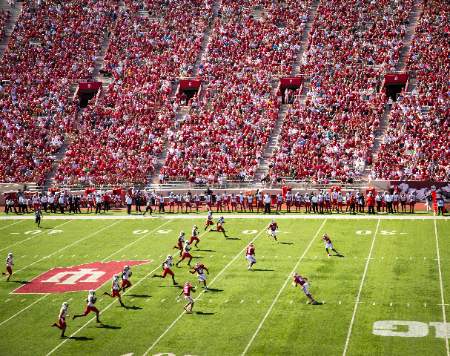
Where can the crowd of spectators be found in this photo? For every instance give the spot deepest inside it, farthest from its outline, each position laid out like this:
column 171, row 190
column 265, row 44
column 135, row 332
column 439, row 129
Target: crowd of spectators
column 228, row 126
column 52, row 44
column 416, row 144
column 351, row 45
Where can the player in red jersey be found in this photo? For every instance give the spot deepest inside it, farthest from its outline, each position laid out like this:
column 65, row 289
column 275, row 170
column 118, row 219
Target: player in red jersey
column 90, row 306
column 9, row 265
column 209, row 220
column 272, row 230
column 250, row 255
column 180, row 242
column 166, row 266
column 219, row 226
column 187, row 289
column 186, row 254
column 115, row 290
column 194, row 236
column 328, row 245
column 61, row 323
column 200, row 269
column 304, row 285
column 126, row 274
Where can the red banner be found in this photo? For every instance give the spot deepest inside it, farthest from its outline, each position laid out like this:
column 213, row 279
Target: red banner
column 89, row 86
column 190, row 84
column 395, row 78
column 290, row 82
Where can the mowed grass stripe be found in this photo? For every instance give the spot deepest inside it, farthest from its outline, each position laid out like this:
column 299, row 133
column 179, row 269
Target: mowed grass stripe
column 7, row 226
column 234, row 310
column 332, row 279
column 403, row 289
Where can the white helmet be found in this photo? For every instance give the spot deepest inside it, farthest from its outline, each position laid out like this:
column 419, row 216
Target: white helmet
column 91, row 292
column 65, row 305
column 195, row 226
column 116, row 276
column 169, row 257
column 10, row 254
column 181, row 233
column 126, row 267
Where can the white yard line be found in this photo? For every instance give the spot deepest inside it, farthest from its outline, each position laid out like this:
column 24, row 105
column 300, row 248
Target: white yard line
column 235, row 216
column 355, row 309
column 282, row 288
column 14, row 223
column 22, row 310
column 34, row 236
column 201, row 293
column 68, row 246
column 444, row 317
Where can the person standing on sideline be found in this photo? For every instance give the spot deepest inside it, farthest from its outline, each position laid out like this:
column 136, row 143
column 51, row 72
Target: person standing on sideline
column 267, row 201
column 129, row 202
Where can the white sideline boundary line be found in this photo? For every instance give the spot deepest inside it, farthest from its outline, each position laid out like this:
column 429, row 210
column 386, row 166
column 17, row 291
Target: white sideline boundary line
column 235, row 216
column 355, row 309
column 110, row 304
column 282, row 289
column 14, row 223
column 444, row 317
column 66, row 247
column 33, row 236
column 201, row 293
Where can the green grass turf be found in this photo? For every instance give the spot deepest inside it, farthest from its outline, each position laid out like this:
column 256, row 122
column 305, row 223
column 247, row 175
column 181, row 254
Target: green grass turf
column 402, row 277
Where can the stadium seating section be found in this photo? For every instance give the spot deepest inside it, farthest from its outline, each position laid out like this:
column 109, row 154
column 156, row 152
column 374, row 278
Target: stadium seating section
column 326, row 135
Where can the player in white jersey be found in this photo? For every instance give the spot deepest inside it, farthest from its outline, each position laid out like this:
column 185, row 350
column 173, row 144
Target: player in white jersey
column 200, row 269
column 9, row 266
column 209, row 220
column 194, row 236
column 115, row 289
column 63, row 314
column 90, row 306
column 167, row 270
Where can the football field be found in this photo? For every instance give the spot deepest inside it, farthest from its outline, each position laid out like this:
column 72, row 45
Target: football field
column 387, row 294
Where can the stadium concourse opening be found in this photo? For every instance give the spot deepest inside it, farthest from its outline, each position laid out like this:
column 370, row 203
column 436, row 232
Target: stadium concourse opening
column 289, row 88
column 86, row 91
column 394, row 83
column 187, row 89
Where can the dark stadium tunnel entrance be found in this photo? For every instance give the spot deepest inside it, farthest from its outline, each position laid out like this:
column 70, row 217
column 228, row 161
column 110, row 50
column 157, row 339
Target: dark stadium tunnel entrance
column 87, row 91
column 394, row 84
column 187, row 89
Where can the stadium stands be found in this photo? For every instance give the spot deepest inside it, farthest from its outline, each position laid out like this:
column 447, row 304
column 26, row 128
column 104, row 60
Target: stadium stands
column 227, row 128
column 4, row 16
column 416, row 144
column 330, row 137
column 119, row 138
column 52, row 43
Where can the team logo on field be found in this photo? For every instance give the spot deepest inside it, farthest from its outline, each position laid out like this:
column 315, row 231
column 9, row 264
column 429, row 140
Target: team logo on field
column 75, row 278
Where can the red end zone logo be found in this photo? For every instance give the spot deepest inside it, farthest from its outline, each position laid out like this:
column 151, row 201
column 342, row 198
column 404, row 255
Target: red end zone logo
column 75, row 278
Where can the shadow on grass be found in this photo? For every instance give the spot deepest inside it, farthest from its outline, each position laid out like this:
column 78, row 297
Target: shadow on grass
column 139, row 295
column 111, row 327
column 263, row 270
column 233, row 238
column 214, row 290
column 286, row 243
column 80, row 338
column 204, row 313
column 21, row 282
column 133, row 307
column 201, row 250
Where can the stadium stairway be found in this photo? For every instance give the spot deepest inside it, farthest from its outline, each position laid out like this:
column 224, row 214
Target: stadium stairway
column 304, row 44
column 14, row 15
column 206, row 38
column 401, row 65
column 409, row 35
column 263, row 167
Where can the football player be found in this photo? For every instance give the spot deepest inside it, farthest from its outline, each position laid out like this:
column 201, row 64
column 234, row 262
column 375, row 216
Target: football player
column 187, row 289
column 304, row 285
column 166, row 266
column 186, row 254
column 194, row 236
column 9, row 264
column 250, row 255
column 126, row 274
column 90, row 306
column 209, row 220
column 61, row 323
column 272, row 230
column 180, row 242
column 200, row 269
column 328, row 245
column 115, row 289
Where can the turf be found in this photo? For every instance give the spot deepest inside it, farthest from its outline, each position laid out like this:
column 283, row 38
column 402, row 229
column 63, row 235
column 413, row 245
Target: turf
column 258, row 312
